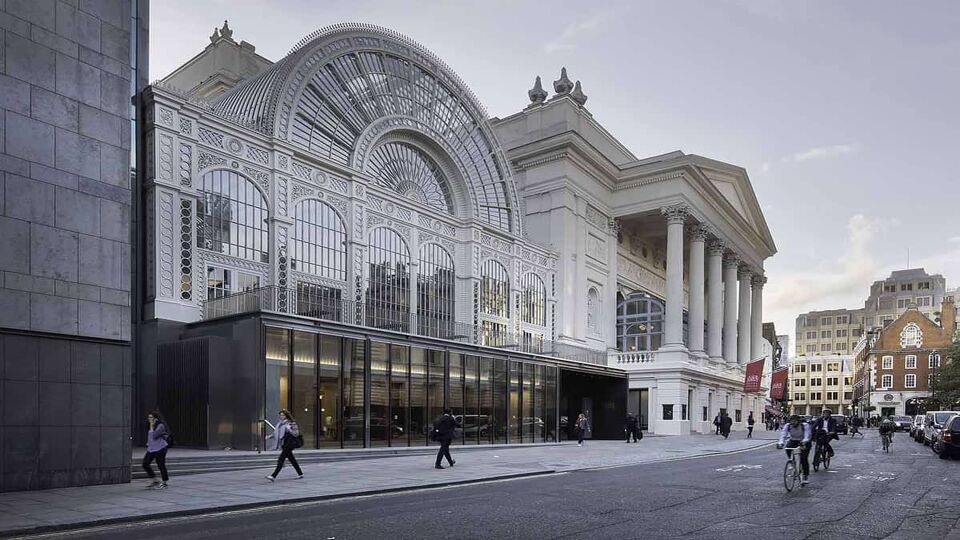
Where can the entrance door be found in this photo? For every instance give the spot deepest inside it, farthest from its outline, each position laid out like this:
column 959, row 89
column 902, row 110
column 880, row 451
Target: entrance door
column 633, row 402
column 644, row 408
column 586, row 405
column 888, row 411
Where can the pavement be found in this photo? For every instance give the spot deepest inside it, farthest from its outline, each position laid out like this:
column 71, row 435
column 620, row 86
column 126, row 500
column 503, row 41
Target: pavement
column 905, row 494
column 30, row 512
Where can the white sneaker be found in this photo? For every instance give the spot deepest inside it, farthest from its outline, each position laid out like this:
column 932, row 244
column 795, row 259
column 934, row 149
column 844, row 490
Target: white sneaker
column 579, row 444
column 270, row 478
column 153, row 484
column 299, row 477
column 804, row 480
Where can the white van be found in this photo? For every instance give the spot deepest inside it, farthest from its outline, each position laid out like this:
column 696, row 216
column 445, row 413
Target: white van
column 933, row 424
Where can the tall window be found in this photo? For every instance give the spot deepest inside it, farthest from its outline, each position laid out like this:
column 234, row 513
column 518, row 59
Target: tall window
column 232, row 217
column 388, row 286
column 639, row 323
column 886, row 362
column 933, row 360
column 494, row 289
column 319, row 243
column 910, row 380
column 593, row 308
column 435, row 292
column 910, row 361
column 886, row 381
column 911, row 336
column 533, row 308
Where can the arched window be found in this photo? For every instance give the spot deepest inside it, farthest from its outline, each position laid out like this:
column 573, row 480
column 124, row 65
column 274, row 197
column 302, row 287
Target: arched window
column 639, row 323
column 388, row 287
column 232, row 217
column 534, row 304
column 410, row 172
column 435, row 292
column 593, row 305
column 494, row 289
column 911, row 336
column 319, row 243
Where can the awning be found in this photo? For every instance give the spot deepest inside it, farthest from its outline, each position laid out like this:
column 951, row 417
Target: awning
column 773, row 410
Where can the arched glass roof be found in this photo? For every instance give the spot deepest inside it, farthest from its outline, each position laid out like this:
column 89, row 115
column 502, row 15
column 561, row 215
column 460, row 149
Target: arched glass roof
column 408, row 171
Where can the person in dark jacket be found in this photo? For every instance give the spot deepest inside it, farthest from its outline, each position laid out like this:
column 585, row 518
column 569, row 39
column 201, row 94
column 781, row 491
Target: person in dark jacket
column 725, row 423
column 443, row 432
column 287, row 430
column 716, row 423
column 750, row 422
column 157, row 445
column 632, row 427
column 582, row 427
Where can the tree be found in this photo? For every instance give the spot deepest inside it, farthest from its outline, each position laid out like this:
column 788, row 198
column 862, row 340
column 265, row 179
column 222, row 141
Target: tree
column 946, row 379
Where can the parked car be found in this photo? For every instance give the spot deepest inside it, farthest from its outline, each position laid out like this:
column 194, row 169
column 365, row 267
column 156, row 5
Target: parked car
column 916, row 428
column 902, row 423
column 933, row 423
column 843, row 426
column 948, row 444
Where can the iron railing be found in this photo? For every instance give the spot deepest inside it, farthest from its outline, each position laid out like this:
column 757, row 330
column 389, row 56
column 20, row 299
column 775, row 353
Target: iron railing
column 286, row 300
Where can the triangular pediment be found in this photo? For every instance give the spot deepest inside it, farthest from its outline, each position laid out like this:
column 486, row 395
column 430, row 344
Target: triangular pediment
column 736, row 190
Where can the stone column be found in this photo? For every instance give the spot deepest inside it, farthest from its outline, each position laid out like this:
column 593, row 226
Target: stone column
column 756, row 316
column 730, row 264
column 675, row 215
column 608, row 304
column 697, row 242
column 743, row 320
column 715, row 301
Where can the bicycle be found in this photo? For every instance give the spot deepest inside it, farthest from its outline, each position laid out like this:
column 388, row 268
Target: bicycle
column 821, row 456
column 791, row 470
column 885, row 438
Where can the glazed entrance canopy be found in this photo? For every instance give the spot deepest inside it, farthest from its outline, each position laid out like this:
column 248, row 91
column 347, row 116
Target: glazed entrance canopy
column 368, row 98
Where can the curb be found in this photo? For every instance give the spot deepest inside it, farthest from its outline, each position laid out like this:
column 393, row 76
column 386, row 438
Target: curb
column 65, row 527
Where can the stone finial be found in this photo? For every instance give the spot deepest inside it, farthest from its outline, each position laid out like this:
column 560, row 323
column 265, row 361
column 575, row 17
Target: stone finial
column 226, row 32
column 537, row 94
column 578, row 95
column 563, row 85
column 215, row 35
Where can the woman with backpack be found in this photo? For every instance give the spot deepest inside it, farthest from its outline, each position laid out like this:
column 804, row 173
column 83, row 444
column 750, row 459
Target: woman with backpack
column 582, row 426
column 157, row 444
column 287, row 437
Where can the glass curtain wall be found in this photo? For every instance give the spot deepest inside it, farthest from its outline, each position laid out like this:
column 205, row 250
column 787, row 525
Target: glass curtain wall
column 437, row 369
column 379, row 399
column 435, row 293
column 473, row 422
column 419, row 421
column 304, row 396
column 399, row 396
column 515, row 415
column 277, row 391
column 455, row 393
column 500, row 401
column 486, row 393
column 388, row 288
column 328, row 391
column 353, row 394
column 550, row 409
column 526, row 403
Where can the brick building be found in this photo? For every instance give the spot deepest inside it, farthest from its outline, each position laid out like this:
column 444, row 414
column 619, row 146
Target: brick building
column 894, row 364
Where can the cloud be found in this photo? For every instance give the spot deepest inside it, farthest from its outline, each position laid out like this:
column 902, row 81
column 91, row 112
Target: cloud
column 765, row 166
column 572, row 33
column 820, row 152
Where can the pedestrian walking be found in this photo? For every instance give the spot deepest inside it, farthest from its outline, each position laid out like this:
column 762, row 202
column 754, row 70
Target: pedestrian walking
column 582, row 426
column 157, row 443
column 444, row 429
column 286, row 438
column 632, row 427
column 750, row 422
column 725, row 423
column 716, row 423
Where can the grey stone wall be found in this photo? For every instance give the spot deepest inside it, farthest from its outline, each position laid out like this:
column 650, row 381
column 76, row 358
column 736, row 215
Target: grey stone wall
column 65, row 210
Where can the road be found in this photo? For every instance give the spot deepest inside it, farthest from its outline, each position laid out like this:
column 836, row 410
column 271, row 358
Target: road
column 866, row 494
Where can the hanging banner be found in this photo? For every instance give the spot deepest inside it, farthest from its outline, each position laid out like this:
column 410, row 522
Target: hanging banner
column 751, row 383
column 778, row 384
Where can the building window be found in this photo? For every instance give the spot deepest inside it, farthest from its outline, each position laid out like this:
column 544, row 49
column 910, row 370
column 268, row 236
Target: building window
column 886, row 362
column 811, row 348
column 319, row 301
column 812, row 335
column 825, row 346
column 924, row 301
column 910, row 361
column 934, row 360
column 223, row 282
column 847, row 381
column 911, row 336
column 848, row 396
column 886, row 381
column 435, row 292
column 799, row 383
column 843, row 319
column 923, row 285
column 833, row 396
column 826, row 334
column 906, row 286
column 494, row 289
column 593, row 304
column 319, row 243
column 639, row 323
column 833, row 366
column 931, row 380
column 903, row 303
column 800, row 368
column 856, row 332
column 533, row 307
column 816, row 381
column 388, row 282
column 799, row 396
column 833, row 381
column 668, row 412
column 816, row 396
column 840, row 347
column 889, row 287
column 232, row 217
column 816, row 368
column 826, row 321
column 411, row 173
column 493, row 334
column 910, row 380
column 842, row 332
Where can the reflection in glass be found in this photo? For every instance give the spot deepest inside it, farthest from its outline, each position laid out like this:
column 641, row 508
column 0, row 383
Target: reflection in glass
column 277, row 388
column 639, row 323
column 388, row 288
column 232, row 216
column 474, row 425
column 399, row 396
column 379, row 366
column 529, row 426
column 419, row 421
column 305, row 385
column 500, row 394
column 494, row 289
column 533, row 307
column 435, row 390
column 412, row 173
column 328, row 397
column 514, row 393
column 435, row 292
column 318, row 244
column 487, row 420
column 455, row 394
column 539, row 401
column 353, row 394
column 550, row 414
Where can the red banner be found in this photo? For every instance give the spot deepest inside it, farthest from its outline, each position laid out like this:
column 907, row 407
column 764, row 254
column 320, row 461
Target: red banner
column 751, row 383
column 778, row 384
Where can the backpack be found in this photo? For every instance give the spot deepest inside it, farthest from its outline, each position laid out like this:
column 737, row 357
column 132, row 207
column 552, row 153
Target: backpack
column 167, row 435
column 292, row 439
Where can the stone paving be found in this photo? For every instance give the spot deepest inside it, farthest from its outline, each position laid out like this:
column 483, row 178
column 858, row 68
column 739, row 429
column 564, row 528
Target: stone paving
column 35, row 511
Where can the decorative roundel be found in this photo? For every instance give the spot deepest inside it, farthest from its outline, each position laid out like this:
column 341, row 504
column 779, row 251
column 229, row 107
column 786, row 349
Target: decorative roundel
column 320, row 178
column 888, row 397
column 235, row 164
column 234, row 146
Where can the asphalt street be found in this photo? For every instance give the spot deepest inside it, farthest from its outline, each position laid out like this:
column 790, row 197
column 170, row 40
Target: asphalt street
column 908, row 493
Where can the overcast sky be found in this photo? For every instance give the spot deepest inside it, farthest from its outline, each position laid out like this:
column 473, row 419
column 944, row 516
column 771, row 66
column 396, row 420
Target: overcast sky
column 844, row 114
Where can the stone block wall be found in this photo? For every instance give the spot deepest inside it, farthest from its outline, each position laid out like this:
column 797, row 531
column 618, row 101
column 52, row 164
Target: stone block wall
column 65, row 268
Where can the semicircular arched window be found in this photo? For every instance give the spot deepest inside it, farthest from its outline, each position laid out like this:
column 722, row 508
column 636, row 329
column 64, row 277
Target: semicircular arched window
column 388, row 286
column 639, row 323
column 410, row 172
column 232, row 217
column 319, row 241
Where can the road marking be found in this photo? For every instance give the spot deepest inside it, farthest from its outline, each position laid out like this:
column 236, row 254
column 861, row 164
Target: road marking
column 738, row 468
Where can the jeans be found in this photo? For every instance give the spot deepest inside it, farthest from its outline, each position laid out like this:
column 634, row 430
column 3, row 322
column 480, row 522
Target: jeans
column 444, row 452
column 161, row 457
column 804, row 455
column 749, row 432
column 287, row 453
column 635, row 432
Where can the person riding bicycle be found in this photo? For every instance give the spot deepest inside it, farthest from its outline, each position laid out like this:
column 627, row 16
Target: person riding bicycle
column 887, row 427
column 825, row 429
column 799, row 434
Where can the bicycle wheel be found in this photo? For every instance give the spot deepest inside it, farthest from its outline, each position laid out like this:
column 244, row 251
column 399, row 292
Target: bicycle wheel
column 790, row 476
column 826, row 461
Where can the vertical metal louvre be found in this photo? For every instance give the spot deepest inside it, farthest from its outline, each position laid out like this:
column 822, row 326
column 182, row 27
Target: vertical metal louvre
column 183, row 389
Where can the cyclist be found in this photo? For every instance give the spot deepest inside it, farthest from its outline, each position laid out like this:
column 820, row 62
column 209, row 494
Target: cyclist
column 825, row 430
column 799, row 434
column 887, row 427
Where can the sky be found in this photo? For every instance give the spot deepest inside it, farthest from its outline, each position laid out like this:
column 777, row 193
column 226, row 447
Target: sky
column 844, row 113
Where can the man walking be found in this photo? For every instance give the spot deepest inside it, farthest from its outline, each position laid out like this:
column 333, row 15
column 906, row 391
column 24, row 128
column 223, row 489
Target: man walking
column 716, row 422
column 443, row 431
column 632, row 427
column 725, row 423
column 750, row 422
